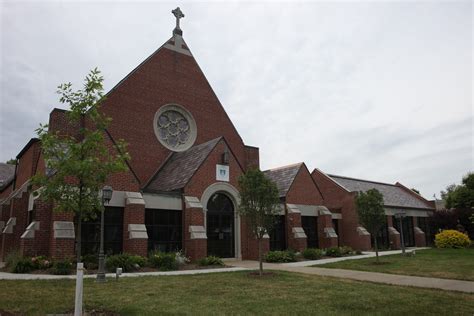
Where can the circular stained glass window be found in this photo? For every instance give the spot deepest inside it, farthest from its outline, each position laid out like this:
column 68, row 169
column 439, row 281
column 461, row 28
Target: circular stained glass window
column 175, row 127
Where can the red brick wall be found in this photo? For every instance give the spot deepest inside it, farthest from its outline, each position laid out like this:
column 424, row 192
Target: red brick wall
column 303, row 189
column 250, row 243
column 339, row 200
column 194, row 248
column 252, row 157
column 61, row 248
column 166, row 77
column 134, row 214
column 27, row 164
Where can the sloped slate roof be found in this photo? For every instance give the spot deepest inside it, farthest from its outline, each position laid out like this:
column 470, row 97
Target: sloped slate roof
column 283, row 177
column 180, row 167
column 7, row 172
column 392, row 195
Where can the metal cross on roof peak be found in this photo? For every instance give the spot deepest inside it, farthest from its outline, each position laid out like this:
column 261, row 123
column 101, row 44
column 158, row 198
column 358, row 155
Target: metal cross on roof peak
column 178, row 14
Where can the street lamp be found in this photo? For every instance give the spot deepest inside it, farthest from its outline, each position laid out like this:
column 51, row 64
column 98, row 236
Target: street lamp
column 106, row 196
column 400, row 216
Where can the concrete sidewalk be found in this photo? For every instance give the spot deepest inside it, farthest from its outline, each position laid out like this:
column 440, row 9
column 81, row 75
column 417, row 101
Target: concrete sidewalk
column 18, row 276
column 385, row 278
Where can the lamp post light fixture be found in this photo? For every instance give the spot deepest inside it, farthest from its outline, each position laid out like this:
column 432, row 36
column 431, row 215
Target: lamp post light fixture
column 400, row 216
column 106, row 197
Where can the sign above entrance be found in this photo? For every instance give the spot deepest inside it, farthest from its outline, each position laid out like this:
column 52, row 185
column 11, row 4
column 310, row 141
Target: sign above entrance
column 222, row 173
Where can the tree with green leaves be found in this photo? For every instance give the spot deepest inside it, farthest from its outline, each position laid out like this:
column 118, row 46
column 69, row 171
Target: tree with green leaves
column 371, row 214
column 79, row 163
column 259, row 206
column 11, row 161
column 461, row 196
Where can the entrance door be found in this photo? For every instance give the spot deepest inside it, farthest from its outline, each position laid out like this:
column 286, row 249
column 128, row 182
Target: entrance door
column 220, row 226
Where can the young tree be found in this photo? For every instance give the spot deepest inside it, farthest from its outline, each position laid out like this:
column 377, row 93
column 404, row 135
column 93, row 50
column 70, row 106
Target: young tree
column 259, row 205
column 79, row 163
column 371, row 214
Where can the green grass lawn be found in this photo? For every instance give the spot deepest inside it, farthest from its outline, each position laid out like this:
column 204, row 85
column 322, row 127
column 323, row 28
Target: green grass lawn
column 439, row 263
column 231, row 293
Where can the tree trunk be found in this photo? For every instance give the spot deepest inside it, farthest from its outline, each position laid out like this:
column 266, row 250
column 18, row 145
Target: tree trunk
column 376, row 249
column 260, row 259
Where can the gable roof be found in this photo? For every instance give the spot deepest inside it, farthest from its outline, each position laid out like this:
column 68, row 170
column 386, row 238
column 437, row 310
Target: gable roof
column 7, row 173
column 180, row 167
column 393, row 195
column 283, row 177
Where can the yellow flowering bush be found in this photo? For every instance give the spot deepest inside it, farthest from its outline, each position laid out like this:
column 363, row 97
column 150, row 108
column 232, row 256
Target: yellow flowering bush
column 451, row 238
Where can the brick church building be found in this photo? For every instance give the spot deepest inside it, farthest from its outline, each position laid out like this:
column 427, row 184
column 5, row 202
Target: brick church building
column 180, row 190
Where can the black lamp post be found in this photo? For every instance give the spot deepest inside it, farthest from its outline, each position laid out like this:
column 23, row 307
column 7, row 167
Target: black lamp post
column 400, row 216
column 106, row 196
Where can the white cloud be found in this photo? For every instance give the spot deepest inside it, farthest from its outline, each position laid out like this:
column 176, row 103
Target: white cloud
column 374, row 90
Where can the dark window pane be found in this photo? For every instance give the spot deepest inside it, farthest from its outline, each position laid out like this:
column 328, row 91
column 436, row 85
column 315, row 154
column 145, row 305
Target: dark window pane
column 113, row 232
column 164, row 229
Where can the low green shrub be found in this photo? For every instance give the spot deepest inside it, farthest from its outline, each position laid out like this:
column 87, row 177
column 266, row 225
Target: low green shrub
column 90, row 261
column 23, row 265
column 211, row 261
column 334, row 252
column 11, row 260
column 164, row 261
column 312, row 253
column 62, row 267
column 125, row 261
column 451, row 238
column 280, row 256
column 346, row 250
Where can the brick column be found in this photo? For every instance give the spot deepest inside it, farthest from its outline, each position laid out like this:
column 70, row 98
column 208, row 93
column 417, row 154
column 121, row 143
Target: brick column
column 365, row 242
column 135, row 237
column 250, row 243
column 420, row 237
column 326, row 233
column 394, row 235
column 296, row 237
column 62, row 236
column 35, row 240
column 194, row 232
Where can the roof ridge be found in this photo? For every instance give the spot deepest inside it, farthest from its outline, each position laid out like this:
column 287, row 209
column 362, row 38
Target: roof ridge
column 358, row 179
column 285, row 167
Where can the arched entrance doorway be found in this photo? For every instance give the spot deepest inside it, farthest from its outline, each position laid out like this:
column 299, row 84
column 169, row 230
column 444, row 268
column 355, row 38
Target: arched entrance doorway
column 220, row 226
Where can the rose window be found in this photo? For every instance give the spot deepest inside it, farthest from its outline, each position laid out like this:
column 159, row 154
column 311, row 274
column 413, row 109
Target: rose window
column 175, row 128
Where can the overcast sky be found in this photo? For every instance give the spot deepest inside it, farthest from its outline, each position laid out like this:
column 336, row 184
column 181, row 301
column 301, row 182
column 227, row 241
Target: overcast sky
column 376, row 90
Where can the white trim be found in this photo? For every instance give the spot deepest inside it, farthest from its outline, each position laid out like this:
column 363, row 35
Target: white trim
column 233, row 194
column 164, row 202
column 178, row 45
column 336, row 215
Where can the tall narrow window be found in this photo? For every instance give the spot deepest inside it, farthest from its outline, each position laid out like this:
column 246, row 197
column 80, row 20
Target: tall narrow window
column 113, row 232
column 278, row 235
